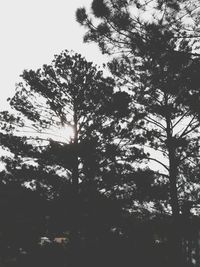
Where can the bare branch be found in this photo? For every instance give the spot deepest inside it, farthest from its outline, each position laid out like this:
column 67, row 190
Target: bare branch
column 180, row 119
column 186, row 131
column 151, row 120
column 156, row 160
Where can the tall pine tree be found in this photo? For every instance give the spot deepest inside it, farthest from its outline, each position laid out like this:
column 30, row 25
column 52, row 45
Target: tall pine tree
column 153, row 47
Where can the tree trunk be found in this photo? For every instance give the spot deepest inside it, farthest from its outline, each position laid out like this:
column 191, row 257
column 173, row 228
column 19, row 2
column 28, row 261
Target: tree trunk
column 173, row 167
column 173, row 181
column 175, row 238
column 75, row 198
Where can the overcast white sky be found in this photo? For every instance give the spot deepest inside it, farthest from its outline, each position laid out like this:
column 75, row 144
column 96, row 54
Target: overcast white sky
column 32, row 31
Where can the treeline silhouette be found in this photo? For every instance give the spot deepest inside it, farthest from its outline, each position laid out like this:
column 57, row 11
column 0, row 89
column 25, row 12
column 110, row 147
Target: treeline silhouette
column 79, row 185
column 36, row 232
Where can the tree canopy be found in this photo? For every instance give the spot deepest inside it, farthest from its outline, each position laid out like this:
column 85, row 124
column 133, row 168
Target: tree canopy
column 70, row 97
column 153, row 47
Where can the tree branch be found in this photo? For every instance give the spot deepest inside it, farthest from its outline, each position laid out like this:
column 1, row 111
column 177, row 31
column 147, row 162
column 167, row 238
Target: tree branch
column 180, row 119
column 151, row 120
column 156, row 160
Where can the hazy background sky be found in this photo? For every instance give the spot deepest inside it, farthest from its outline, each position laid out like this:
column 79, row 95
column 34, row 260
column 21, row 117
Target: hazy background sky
column 32, row 32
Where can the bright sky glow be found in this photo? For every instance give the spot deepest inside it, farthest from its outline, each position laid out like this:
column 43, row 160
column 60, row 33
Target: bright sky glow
column 64, row 134
column 32, row 32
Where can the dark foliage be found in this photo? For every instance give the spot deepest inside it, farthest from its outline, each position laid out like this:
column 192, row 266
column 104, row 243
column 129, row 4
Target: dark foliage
column 154, row 47
column 87, row 198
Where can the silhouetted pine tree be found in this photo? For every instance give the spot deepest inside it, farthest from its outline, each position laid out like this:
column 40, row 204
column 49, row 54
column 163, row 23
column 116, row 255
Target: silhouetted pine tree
column 153, row 47
column 70, row 94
